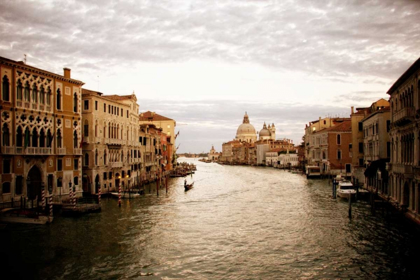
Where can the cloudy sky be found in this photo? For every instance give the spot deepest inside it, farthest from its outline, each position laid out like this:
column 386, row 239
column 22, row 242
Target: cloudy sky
column 205, row 62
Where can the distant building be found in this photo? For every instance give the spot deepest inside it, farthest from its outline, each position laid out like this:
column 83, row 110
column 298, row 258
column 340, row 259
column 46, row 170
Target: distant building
column 213, row 155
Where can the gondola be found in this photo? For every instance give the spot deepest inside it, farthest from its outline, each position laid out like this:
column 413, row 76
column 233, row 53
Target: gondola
column 188, row 187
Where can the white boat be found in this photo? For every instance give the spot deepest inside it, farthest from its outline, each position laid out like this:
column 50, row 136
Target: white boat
column 125, row 195
column 13, row 215
column 345, row 189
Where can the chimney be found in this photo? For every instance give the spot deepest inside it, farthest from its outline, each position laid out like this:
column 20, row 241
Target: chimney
column 352, row 110
column 67, row 72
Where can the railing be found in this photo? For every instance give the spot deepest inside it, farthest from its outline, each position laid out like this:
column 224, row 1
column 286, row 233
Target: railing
column 77, row 151
column 116, row 164
column 38, row 151
column 8, row 150
column 402, row 168
column 404, row 113
column 61, row 151
column 35, row 106
column 114, row 141
column 19, row 103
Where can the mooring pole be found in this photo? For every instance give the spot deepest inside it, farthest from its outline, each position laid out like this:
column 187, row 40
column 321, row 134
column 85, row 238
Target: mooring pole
column 349, row 206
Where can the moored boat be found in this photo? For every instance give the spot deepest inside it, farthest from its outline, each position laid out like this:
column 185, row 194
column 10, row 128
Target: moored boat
column 345, row 189
column 13, row 215
column 125, row 194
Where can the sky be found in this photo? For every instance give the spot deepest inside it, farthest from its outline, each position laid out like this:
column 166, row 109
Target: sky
column 204, row 63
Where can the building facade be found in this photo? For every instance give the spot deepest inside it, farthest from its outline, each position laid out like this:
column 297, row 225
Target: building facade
column 41, row 124
column 404, row 167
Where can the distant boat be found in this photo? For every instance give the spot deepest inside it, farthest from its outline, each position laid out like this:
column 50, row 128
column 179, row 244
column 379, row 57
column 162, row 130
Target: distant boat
column 125, row 195
column 345, row 189
column 13, row 215
column 188, row 187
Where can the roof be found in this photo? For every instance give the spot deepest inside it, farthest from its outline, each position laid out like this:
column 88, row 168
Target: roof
column 119, row 97
column 345, row 126
column 383, row 110
column 88, row 91
column 405, row 76
column 152, row 116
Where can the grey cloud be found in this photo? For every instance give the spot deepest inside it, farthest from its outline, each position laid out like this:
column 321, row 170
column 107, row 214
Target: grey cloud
column 352, row 37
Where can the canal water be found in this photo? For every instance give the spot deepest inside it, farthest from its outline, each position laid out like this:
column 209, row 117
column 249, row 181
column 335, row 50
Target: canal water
column 237, row 222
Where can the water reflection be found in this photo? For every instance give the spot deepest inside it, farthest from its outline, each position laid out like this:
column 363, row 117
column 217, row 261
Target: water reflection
column 236, row 223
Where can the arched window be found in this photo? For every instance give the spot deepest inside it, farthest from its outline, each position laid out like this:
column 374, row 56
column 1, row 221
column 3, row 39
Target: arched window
column 19, row 137
column 75, row 101
column 34, row 138
column 75, row 140
column 42, row 95
column 5, row 135
column 6, row 90
column 96, row 129
column 49, row 139
column 58, row 99
column 338, row 154
column 105, row 157
column 34, row 94
column 96, row 157
column 19, row 90
column 42, row 138
column 26, row 94
column 27, row 136
column 86, row 159
column 48, row 96
column 338, row 139
column 59, row 139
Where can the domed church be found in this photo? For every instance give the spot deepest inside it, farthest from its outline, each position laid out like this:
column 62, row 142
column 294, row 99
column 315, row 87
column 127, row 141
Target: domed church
column 267, row 133
column 246, row 131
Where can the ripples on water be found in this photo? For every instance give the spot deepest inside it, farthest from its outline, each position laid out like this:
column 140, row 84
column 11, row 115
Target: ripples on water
column 236, row 223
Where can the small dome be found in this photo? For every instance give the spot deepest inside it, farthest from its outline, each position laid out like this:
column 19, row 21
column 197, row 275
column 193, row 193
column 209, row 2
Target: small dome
column 265, row 132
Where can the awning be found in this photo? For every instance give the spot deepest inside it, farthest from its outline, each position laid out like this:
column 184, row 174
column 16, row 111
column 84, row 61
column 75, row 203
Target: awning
column 376, row 165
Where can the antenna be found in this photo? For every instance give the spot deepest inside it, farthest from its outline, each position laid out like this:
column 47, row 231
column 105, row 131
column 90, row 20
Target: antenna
column 24, row 58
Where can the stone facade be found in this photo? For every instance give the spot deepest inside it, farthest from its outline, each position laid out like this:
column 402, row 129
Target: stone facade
column 41, row 124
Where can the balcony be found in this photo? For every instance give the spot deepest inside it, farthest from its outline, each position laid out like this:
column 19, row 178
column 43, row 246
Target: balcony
column 38, row 151
column 98, row 140
column 114, row 141
column 77, row 151
column 8, row 150
column 402, row 168
column 116, row 164
column 404, row 116
column 61, row 151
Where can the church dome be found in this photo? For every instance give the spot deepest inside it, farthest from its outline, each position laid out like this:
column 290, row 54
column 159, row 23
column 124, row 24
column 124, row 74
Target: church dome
column 265, row 131
column 246, row 131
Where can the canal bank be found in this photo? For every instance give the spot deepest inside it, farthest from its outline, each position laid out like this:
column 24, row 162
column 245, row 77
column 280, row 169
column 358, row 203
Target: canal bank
column 238, row 222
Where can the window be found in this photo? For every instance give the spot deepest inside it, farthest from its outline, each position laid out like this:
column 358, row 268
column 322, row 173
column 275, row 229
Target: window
column 76, row 181
column 86, row 129
column 86, row 105
column 348, row 168
column 360, row 126
column 388, row 149
column 127, row 114
column 19, row 185
column 42, row 95
column 6, row 166
column 26, row 93
column 105, row 107
column 5, row 135
column 58, row 99
column 34, row 94
column 76, row 164
column 75, row 102
column 86, row 161
column 338, row 139
column 96, row 105
column 6, row 187
column 19, row 90
column 48, row 96
column 388, row 125
column 360, row 162
column 6, row 90
column 377, row 128
column 75, row 140
column 105, row 175
column 360, row 147
column 59, row 182
column 338, row 154
column 59, row 165
column 110, row 175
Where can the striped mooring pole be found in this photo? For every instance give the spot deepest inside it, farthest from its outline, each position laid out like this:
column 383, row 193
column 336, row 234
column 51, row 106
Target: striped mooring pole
column 74, row 198
column 43, row 200
column 51, row 208
column 70, row 195
column 119, row 195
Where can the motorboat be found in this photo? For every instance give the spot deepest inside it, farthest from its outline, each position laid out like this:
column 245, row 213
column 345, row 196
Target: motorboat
column 16, row 215
column 188, row 187
column 345, row 189
column 125, row 194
